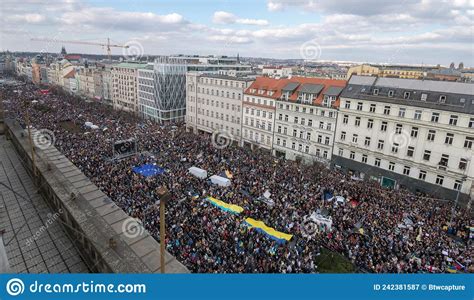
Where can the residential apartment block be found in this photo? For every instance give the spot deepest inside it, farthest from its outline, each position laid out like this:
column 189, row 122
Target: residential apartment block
column 305, row 119
column 417, row 134
column 124, row 86
column 214, row 103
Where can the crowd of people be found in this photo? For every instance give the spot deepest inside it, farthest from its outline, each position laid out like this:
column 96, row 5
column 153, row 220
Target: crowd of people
column 374, row 234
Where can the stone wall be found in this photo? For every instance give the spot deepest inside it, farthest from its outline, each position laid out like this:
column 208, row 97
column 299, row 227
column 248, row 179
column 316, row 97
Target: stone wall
column 108, row 239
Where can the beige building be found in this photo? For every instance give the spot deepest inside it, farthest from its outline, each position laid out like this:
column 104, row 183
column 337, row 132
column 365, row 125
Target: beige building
column 125, row 86
column 394, row 71
column 214, row 103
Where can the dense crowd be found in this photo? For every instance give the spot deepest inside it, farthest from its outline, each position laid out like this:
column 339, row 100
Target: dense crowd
column 373, row 235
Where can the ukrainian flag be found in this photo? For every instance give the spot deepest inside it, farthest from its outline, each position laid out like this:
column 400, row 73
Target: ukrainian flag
column 278, row 236
column 232, row 208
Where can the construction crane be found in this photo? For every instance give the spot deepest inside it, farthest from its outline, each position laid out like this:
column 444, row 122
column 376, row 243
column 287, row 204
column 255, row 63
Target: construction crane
column 108, row 45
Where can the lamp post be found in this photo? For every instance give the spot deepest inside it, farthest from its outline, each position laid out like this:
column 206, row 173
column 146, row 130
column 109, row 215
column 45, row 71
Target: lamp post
column 164, row 196
column 464, row 178
column 30, row 138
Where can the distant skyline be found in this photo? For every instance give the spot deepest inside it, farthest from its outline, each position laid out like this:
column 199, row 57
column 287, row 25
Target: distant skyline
column 407, row 31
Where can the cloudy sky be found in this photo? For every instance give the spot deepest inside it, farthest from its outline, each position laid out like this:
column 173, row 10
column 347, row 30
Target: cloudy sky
column 398, row 31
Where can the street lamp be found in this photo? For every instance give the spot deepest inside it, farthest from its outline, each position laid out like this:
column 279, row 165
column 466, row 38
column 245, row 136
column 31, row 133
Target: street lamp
column 463, row 179
column 164, row 196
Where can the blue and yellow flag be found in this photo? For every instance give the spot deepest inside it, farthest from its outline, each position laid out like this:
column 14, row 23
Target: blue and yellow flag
column 278, row 236
column 232, row 208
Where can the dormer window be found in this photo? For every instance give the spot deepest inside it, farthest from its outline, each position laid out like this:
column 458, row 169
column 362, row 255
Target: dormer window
column 376, row 92
column 442, row 99
column 423, row 97
column 390, row 93
column 406, row 95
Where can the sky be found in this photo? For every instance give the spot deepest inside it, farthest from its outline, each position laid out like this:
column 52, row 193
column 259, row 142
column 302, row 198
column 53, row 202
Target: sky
column 380, row 31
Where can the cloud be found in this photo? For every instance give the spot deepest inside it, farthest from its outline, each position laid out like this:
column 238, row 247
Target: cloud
column 222, row 17
column 28, row 18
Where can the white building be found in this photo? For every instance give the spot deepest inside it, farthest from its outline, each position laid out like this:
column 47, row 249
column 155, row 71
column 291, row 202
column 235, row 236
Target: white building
column 214, row 103
column 124, row 86
column 305, row 120
column 417, row 134
column 277, row 71
column 259, row 112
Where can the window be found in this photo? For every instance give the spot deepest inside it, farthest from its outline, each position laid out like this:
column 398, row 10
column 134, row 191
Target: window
column 367, row 141
column 302, row 121
column 352, row 155
column 386, row 110
column 406, row 95
column 391, row 166
column 345, row 120
column 326, row 140
column 380, row 144
column 453, row 120
column 321, row 125
column 444, row 160
column 442, row 99
column 431, row 135
column 370, row 123
column 390, row 93
column 395, row 147
column 343, row 135
column 468, row 142
column 306, row 149
column 435, row 117
column 471, row 123
column 310, row 122
column 427, row 155
column 296, row 120
column 301, row 134
column 341, row 152
column 423, row 97
column 457, row 185
column 293, row 145
column 376, row 92
column 377, row 162
column 398, row 129
column 439, row 180
column 383, row 127
column 449, row 138
column 410, row 151
column 414, row 132
column 286, row 118
column 357, row 121
column 308, row 135
column 295, row 132
column 372, row 108
column 364, row 158
column 401, row 112
column 354, row 138
column 406, row 170
column 359, row 105
column 463, row 164
column 422, row 175
column 320, row 139
column 417, row 115
column 348, row 104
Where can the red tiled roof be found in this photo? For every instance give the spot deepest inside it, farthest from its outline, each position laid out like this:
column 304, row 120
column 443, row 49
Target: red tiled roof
column 72, row 57
column 276, row 85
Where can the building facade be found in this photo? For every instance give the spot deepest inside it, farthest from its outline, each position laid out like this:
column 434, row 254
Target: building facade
column 214, row 103
column 124, row 86
column 417, row 134
column 305, row 120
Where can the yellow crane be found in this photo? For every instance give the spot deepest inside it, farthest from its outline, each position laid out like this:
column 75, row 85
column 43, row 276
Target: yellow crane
column 108, row 45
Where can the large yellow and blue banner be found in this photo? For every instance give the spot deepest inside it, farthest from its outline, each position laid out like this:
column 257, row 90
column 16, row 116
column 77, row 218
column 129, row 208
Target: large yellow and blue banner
column 232, row 208
column 260, row 226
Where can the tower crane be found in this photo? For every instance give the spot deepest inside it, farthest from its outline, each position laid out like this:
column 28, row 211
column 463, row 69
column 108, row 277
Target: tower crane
column 108, row 45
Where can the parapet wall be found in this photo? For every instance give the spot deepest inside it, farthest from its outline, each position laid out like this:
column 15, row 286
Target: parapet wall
column 108, row 239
